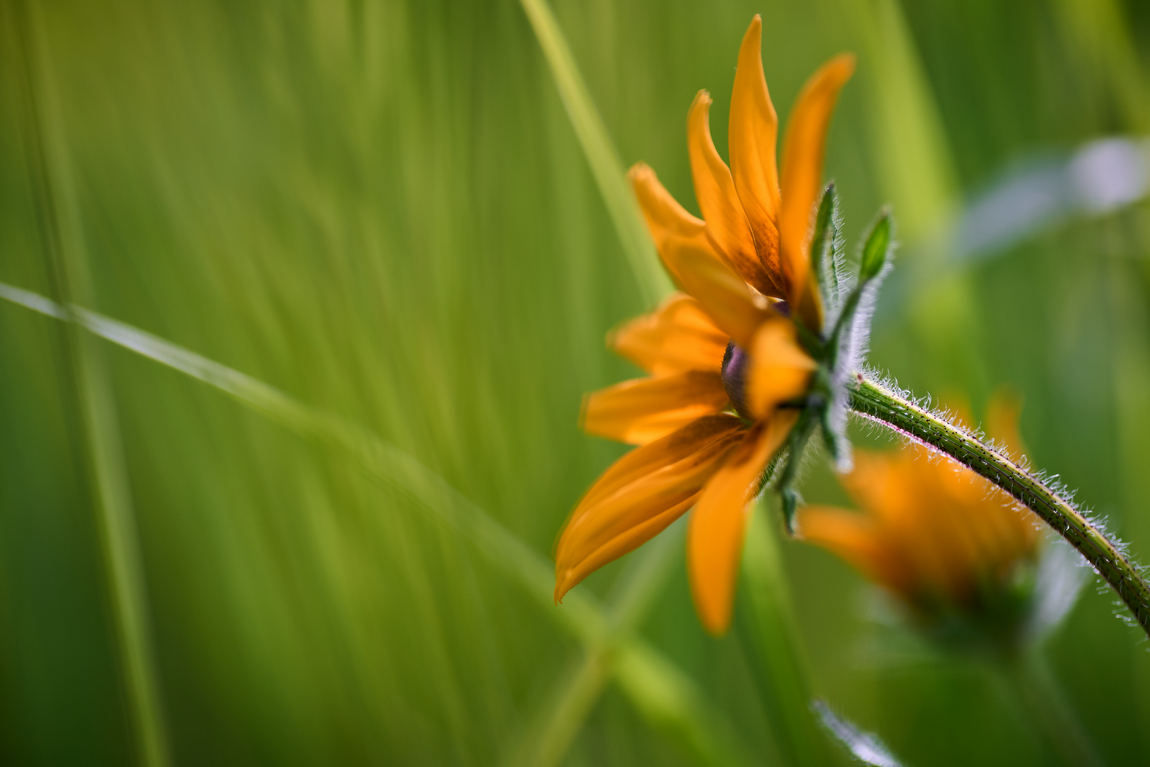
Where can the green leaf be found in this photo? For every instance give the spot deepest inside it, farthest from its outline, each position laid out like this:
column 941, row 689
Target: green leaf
column 878, row 248
column 823, row 257
column 795, row 446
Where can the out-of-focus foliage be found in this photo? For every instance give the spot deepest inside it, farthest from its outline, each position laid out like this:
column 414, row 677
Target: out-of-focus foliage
column 382, row 210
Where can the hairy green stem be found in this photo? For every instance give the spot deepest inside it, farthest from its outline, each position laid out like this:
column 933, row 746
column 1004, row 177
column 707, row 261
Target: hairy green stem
column 878, row 403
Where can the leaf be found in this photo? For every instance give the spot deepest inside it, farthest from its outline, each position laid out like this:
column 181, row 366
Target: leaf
column 824, row 258
column 878, row 249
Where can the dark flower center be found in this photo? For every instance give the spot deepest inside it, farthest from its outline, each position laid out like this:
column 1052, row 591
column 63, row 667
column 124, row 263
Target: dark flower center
column 734, row 374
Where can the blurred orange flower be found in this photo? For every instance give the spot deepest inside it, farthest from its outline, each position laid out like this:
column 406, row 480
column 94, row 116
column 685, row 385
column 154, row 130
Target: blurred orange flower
column 723, row 356
column 942, row 539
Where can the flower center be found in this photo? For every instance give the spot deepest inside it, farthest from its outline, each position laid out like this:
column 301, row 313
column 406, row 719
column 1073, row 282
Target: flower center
column 734, row 374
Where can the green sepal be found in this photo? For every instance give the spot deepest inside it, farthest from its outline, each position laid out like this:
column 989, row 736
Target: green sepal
column 825, row 261
column 877, row 250
column 795, row 446
column 877, row 253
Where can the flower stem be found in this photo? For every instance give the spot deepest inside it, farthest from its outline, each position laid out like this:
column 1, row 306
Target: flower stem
column 878, row 403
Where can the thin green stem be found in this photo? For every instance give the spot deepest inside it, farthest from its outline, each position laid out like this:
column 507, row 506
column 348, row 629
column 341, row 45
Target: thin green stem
column 878, row 403
column 1031, row 681
column 98, row 425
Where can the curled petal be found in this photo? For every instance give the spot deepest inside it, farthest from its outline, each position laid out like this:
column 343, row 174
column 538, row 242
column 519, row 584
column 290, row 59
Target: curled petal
column 642, row 493
column 715, row 535
column 733, row 306
column 727, row 225
column 779, row 368
column 802, row 178
column 675, row 337
column 752, row 135
column 665, row 217
column 645, row 409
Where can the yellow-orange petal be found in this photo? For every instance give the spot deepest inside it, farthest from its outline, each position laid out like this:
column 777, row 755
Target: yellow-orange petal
column 802, row 176
column 640, row 494
column 856, row 539
column 885, row 483
column 665, row 217
column 677, row 336
column 645, row 409
column 662, row 452
column 727, row 225
column 715, row 534
column 752, row 135
column 779, row 368
column 734, row 307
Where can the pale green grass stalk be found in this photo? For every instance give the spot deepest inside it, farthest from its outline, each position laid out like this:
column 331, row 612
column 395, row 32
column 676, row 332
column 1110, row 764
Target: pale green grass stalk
column 548, row 736
column 60, row 231
column 654, row 685
column 601, row 155
column 769, row 627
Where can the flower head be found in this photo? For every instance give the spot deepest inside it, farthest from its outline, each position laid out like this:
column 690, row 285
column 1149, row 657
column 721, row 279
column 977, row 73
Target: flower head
column 755, row 220
column 727, row 368
column 953, row 548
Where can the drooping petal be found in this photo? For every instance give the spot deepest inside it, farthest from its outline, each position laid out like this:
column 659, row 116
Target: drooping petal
column 646, row 409
column 802, row 177
column 640, row 494
column 882, row 483
column 752, row 135
column 727, row 225
column 857, row 539
column 675, row 337
column 665, row 217
column 779, row 368
column 735, row 308
column 715, row 535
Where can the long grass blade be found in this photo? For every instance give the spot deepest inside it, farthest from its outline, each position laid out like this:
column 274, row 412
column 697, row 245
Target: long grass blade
column 99, row 424
column 779, row 665
column 597, row 148
column 653, row 684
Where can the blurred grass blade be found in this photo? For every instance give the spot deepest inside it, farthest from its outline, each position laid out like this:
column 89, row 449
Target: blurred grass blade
column 601, row 155
column 62, row 240
column 608, row 639
column 863, row 746
column 548, row 737
column 661, row 693
column 777, row 662
column 671, row 701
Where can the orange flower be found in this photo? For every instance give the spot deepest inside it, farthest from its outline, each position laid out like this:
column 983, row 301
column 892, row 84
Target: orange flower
column 760, row 231
column 944, row 540
column 724, row 356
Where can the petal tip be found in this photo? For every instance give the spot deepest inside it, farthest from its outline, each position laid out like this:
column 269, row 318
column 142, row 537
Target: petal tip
column 639, row 170
column 715, row 617
column 563, row 583
column 844, row 64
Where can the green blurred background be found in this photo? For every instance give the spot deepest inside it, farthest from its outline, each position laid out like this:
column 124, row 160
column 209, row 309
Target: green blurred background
column 381, row 209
